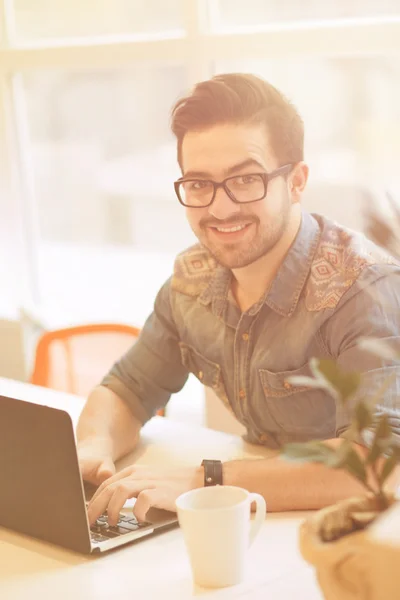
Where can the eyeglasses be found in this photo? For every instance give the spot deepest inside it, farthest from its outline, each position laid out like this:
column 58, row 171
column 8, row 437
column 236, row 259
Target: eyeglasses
column 242, row 189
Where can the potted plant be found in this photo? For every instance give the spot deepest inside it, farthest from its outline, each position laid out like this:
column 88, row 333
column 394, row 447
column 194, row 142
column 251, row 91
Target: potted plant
column 335, row 539
column 354, row 545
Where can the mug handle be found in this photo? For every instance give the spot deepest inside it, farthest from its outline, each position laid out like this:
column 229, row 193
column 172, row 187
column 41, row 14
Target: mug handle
column 261, row 509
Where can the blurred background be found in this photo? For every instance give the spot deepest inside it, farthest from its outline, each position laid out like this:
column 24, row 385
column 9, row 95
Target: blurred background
column 89, row 224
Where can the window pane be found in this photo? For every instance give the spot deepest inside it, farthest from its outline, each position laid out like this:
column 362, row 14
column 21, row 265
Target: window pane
column 235, row 13
column 105, row 162
column 43, row 19
column 351, row 113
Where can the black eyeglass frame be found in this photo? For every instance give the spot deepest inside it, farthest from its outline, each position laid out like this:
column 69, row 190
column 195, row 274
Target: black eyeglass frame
column 266, row 177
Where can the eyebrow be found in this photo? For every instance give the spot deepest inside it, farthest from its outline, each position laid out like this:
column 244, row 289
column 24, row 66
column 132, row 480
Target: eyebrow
column 249, row 162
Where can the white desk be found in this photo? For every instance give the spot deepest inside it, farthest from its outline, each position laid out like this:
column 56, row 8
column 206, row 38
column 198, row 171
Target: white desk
column 157, row 567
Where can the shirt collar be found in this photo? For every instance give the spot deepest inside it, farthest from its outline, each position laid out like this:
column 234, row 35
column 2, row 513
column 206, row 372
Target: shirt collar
column 217, row 290
column 286, row 288
column 288, row 284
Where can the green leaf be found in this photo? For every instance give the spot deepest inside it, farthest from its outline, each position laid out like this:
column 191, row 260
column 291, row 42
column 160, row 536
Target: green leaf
column 388, row 467
column 341, row 454
column 351, row 433
column 345, row 383
column 303, row 380
column 379, row 347
column 383, row 430
column 382, row 437
column 374, row 453
column 354, row 465
column 363, row 417
column 395, row 451
column 308, row 452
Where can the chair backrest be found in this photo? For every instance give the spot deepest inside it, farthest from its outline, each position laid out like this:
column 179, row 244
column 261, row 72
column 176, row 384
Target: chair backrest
column 76, row 359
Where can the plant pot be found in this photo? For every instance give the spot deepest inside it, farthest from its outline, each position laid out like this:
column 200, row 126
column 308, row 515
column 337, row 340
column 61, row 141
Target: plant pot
column 359, row 565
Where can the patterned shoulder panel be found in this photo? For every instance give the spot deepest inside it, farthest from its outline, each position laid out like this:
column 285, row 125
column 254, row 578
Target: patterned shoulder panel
column 193, row 271
column 340, row 259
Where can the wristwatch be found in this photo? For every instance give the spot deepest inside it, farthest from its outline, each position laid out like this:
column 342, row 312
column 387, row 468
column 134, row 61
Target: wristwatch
column 212, row 472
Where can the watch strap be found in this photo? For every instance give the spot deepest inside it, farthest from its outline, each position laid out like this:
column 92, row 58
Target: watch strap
column 212, row 472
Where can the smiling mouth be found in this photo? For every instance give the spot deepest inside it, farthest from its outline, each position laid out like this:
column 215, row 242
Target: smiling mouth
column 232, row 229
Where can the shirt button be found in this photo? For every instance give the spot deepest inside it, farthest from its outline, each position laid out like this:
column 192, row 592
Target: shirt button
column 287, row 385
column 200, row 374
column 245, row 337
column 242, row 394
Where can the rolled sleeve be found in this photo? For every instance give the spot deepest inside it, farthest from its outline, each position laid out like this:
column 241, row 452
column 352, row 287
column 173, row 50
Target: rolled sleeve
column 372, row 382
column 151, row 370
column 371, row 311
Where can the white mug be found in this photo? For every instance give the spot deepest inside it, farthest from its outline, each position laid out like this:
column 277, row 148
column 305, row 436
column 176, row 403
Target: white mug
column 217, row 530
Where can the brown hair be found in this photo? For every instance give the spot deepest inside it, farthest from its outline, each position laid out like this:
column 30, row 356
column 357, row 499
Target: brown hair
column 241, row 98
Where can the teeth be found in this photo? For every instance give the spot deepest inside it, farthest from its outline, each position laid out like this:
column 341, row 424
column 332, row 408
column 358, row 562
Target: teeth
column 230, row 229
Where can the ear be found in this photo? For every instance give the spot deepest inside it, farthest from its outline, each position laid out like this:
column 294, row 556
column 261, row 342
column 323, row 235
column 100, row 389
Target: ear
column 297, row 181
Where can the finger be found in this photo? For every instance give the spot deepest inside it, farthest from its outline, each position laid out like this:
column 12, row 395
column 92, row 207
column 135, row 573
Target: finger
column 86, row 469
column 105, row 471
column 124, row 491
column 100, row 502
column 98, row 506
column 148, row 498
column 96, row 470
column 133, row 471
column 114, row 478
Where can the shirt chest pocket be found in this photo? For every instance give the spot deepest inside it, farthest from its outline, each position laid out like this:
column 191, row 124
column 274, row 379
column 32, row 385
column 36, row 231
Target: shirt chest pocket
column 297, row 409
column 207, row 371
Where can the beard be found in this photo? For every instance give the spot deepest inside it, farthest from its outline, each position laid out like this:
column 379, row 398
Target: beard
column 262, row 239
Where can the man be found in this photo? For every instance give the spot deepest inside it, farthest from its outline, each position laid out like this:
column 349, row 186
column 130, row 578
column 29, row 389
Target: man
column 267, row 288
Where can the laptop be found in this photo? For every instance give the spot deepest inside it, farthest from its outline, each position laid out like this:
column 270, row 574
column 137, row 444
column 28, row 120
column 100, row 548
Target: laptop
column 41, row 489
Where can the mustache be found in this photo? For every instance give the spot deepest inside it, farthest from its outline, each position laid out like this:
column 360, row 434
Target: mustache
column 235, row 220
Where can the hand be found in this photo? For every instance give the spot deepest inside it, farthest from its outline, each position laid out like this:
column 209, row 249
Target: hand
column 151, row 486
column 95, row 462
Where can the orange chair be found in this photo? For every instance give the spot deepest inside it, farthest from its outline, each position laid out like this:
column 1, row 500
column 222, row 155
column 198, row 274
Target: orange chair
column 76, row 359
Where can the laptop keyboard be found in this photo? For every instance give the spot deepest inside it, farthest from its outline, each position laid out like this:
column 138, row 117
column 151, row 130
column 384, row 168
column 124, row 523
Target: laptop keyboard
column 100, row 531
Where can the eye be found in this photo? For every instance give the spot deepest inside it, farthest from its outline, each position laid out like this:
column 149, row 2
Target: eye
column 196, row 185
column 199, row 185
column 246, row 179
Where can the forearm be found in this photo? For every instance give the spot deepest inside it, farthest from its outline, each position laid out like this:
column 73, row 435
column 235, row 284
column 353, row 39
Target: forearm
column 292, row 486
column 286, row 486
column 107, row 420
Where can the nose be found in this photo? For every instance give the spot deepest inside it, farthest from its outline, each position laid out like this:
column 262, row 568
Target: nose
column 223, row 207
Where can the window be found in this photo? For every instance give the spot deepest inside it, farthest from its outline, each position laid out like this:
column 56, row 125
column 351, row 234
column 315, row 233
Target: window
column 90, row 224
column 234, row 15
column 46, row 19
column 104, row 165
column 351, row 110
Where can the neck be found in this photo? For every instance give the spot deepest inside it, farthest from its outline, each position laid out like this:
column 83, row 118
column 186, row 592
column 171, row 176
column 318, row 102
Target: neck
column 250, row 283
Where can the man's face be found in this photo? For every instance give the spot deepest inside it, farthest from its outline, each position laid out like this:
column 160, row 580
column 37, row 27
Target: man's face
column 223, row 151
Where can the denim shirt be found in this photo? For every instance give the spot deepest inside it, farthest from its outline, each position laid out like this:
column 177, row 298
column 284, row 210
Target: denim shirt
column 333, row 287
